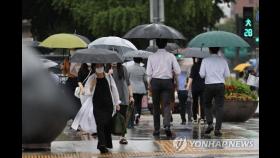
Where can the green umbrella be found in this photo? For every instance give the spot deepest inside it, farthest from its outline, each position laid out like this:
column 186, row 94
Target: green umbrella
column 217, row 39
column 230, row 52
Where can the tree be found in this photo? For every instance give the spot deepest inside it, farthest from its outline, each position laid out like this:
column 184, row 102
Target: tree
column 229, row 26
column 45, row 20
column 191, row 17
column 104, row 18
column 97, row 18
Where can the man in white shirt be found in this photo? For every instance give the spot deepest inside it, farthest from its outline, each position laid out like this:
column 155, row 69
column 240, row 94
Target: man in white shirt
column 160, row 68
column 215, row 70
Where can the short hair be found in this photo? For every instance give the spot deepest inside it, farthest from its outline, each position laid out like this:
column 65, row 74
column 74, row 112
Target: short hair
column 161, row 43
column 137, row 60
column 214, row 50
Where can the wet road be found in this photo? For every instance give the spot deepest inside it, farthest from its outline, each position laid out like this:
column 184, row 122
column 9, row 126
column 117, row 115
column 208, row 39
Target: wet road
column 141, row 143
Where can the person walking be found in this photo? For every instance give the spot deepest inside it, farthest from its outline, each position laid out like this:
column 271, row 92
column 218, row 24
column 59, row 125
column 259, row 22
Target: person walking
column 70, row 85
column 183, row 95
column 196, row 84
column 120, row 75
column 215, row 70
column 105, row 99
column 138, row 78
column 160, row 68
column 84, row 119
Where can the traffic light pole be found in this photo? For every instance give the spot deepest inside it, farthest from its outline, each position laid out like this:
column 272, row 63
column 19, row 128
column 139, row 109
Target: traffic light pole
column 156, row 14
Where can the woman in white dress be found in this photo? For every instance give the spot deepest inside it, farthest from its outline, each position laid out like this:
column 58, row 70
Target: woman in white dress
column 84, row 118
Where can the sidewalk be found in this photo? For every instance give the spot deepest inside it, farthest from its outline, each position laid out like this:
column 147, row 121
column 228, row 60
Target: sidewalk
column 141, row 143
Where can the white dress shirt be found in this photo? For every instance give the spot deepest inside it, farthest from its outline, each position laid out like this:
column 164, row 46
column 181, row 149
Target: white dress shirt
column 214, row 69
column 161, row 65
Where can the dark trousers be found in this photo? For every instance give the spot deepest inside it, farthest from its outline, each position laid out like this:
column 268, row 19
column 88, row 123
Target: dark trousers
column 136, row 109
column 161, row 91
column 183, row 96
column 104, row 128
column 216, row 92
column 123, row 111
column 138, row 103
column 198, row 94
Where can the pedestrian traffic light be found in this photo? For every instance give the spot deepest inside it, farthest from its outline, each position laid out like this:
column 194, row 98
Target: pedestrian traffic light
column 257, row 39
column 248, row 28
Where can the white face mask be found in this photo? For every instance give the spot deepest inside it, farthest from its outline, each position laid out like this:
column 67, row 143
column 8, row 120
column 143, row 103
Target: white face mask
column 99, row 69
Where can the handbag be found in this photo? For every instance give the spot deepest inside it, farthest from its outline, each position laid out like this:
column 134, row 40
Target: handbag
column 253, row 81
column 78, row 89
column 118, row 124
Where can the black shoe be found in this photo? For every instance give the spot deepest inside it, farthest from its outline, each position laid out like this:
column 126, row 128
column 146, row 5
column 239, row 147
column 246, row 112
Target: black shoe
column 183, row 122
column 156, row 133
column 209, row 129
column 168, row 132
column 123, row 141
column 218, row 133
column 103, row 150
column 94, row 135
column 137, row 119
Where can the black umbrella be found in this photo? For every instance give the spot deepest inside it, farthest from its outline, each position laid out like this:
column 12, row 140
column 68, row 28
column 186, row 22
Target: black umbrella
column 83, row 38
column 154, row 31
column 137, row 54
column 96, row 56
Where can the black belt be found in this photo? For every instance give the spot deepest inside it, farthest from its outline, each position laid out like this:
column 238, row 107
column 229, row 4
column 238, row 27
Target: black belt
column 162, row 79
column 214, row 84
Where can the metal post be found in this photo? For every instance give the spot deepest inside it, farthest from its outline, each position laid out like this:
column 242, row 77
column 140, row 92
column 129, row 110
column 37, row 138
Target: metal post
column 236, row 59
column 156, row 14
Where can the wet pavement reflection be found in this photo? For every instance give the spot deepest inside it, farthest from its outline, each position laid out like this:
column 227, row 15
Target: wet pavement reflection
column 141, row 142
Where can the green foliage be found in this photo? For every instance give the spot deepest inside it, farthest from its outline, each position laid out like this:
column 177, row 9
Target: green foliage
column 96, row 18
column 229, row 26
column 233, row 87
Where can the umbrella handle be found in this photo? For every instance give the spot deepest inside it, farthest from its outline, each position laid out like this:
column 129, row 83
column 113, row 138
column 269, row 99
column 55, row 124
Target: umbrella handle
column 201, row 46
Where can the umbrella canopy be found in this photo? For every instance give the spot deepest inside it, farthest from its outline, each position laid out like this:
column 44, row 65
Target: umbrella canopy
column 241, row 67
column 154, row 31
column 217, row 39
column 96, row 56
column 137, row 54
column 195, row 52
column 64, row 40
column 113, row 43
column 130, row 63
column 48, row 63
column 83, row 38
column 253, row 62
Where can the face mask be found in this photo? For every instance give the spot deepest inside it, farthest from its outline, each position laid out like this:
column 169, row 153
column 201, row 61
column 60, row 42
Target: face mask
column 99, row 69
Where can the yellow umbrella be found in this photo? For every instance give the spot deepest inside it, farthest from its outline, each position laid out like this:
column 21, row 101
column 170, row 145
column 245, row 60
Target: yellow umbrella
column 241, row 67
column 64, row 40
